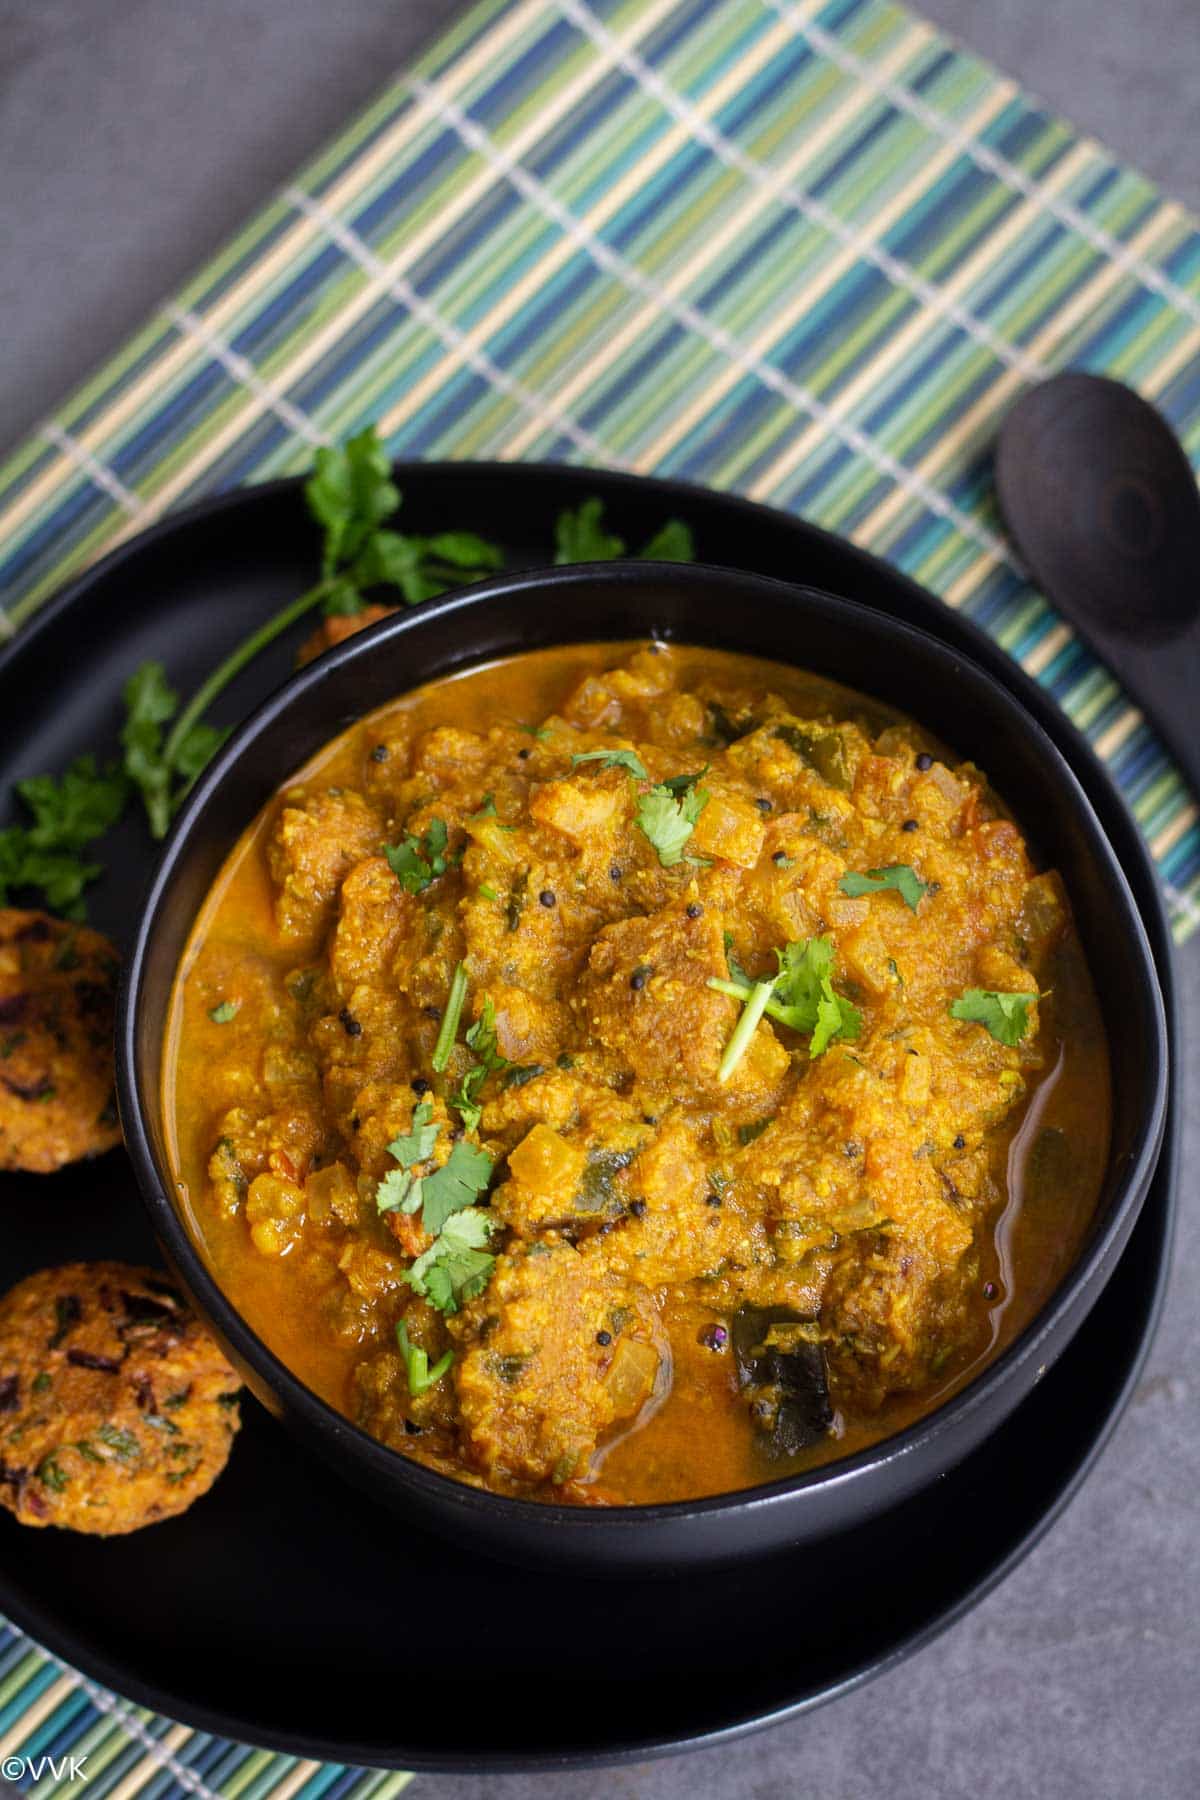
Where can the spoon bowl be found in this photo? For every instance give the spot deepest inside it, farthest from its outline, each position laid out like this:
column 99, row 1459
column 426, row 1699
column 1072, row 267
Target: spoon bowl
column 1101, row 501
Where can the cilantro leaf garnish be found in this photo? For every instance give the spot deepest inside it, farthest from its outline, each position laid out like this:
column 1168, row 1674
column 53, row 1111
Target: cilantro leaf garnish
column 417, row 1371
column 805, row 996
column 418, row 861
column 580, row 537
column 672, row 542
column 165, row 745
column 800, row 996
column 481, row 1038
column 350, row 493
column 901, row 877
column 455, row 1186
column 80, row 806
column 225, row 1012
column 162, row 766
column 149, row 704
column 456, row 1266
column 613, row 759
column 1006, row 1016
column 416, row 1145
column 400, row 1190
column 67, row 814
column 668, row 822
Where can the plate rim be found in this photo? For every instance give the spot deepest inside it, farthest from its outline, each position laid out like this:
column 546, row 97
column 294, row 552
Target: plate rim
column 94, row 1667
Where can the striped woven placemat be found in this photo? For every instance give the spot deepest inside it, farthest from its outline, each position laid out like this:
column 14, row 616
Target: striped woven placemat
column 804, row 249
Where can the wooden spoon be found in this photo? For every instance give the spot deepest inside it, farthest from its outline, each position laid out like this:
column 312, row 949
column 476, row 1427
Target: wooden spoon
column 1101, row 501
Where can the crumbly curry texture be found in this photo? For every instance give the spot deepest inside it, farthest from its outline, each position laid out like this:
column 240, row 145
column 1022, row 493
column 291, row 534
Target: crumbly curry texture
column 511, row 1211
column 57, row 1101
column 117, row 1409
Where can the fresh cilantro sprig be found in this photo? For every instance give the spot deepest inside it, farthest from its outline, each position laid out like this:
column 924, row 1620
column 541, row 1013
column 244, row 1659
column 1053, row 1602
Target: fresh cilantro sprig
column 580, row 537
column 457, row 1265
column 65, row 816
column 161, row 767
column 801, row 996
column 416, row 862
column 668, row 812
column 419, row 1375
column 352, row 497
column 351, row 494
column 456, row 1185
column 448, row 1030
column 400, row 1189
column 613, row 759
column 1006, row 1016
column 668, row 819
column 481, row 1038
column 901, row 877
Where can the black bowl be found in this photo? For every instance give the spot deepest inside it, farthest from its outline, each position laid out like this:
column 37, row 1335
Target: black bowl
column 866, row 650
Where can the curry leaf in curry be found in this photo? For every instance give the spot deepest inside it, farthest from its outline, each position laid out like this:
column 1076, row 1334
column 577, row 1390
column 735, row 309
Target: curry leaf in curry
column 417, row 1371
column 668, row 821
column 1006, row 1016
column 899, row 876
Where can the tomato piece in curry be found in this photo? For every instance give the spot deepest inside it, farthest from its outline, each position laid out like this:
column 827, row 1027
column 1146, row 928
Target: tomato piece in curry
column 627, row 1073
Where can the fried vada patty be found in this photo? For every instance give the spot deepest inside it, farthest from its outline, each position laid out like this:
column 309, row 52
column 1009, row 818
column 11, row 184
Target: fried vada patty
column 117, row 1409
column 56, row 1042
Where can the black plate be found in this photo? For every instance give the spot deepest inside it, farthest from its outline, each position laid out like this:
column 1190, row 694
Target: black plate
column 285, row 1609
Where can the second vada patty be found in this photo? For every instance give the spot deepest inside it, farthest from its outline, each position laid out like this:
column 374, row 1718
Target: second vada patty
column 57, row 982
column 117, row 1408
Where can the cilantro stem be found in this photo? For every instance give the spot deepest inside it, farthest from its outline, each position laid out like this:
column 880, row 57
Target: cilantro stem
column 747, row 1025
column 236, row 661
column 774, row 1009
column 450, row 1018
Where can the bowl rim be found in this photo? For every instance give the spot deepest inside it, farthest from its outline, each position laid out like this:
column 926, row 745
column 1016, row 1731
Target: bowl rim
column 321, row 1420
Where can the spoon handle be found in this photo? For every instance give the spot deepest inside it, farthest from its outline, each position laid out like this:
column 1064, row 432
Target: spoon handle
column 1163, row 679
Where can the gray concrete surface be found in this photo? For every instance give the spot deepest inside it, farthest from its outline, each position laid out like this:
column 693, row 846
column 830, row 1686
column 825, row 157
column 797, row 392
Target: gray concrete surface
column 134, row 134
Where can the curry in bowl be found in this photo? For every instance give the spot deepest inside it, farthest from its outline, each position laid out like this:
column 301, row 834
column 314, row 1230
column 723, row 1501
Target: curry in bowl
column 624, row 1074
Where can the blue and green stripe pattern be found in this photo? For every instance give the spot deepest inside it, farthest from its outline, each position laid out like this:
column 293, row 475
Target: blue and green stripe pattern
column 62, row 1735
column 807, row 250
